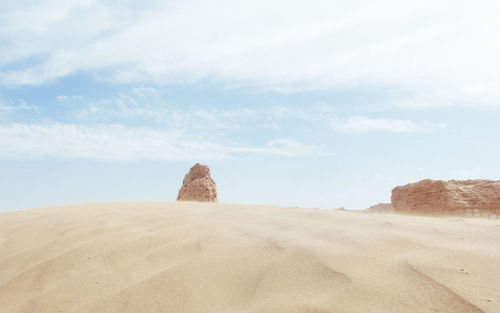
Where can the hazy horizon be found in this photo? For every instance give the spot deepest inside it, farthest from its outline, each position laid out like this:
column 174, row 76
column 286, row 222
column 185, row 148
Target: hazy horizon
column 326, row 104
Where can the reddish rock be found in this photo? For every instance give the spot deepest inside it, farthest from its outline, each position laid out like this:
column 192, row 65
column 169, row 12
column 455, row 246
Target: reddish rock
column 380, row 208
column 453, row 197
column 198, row 185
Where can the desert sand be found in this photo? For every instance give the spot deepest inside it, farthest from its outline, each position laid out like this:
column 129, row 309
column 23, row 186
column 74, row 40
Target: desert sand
column 209, row 257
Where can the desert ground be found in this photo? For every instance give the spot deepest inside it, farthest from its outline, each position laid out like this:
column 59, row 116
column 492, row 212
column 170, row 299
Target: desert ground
column 209, row 257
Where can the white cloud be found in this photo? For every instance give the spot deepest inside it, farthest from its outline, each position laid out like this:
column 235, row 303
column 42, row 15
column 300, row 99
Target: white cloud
column 21, row 106
column 151, row 105
column 10, row 106
column 148, row 105
column 360, row 124
column 291, row 147
column 425, row 53
column 118, row 142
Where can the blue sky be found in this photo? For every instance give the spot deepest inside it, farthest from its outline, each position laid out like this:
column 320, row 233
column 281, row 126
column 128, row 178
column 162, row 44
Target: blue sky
column 326, row 104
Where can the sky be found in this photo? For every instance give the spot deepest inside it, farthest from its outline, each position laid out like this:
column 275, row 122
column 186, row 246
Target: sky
column 318, row 104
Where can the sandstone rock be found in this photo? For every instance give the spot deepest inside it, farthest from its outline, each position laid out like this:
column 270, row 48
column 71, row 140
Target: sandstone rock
column 380, row 208
column 198, row 185
column 453, row 197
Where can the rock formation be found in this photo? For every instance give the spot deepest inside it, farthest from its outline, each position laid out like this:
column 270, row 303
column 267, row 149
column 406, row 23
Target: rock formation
column 453, row 197
column 198, row 185
column 380, row 208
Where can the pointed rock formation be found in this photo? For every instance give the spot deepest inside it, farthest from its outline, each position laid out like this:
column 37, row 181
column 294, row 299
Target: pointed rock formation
column 454, row 197
column 198, row 185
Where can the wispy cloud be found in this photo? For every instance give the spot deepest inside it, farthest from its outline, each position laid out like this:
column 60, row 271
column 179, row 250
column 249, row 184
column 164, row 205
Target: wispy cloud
column 10, row 108
column 360, row 124
column 415, row 51
column 17, row 105
column 150, row 106
column 119, row 142
column 291, row 147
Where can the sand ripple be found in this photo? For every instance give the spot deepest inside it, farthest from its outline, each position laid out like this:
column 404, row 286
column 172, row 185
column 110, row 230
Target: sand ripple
column 192, row 257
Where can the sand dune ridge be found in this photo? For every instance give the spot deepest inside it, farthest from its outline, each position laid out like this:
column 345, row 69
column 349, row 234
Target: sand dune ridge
column 206, row 257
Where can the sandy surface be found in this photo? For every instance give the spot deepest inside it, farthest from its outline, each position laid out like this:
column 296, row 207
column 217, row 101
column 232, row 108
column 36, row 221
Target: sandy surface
column 192, row 257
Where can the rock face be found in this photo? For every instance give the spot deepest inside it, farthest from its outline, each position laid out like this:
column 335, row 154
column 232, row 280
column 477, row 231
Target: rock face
column 198, row 185
column 453, row 197
column 380, row 208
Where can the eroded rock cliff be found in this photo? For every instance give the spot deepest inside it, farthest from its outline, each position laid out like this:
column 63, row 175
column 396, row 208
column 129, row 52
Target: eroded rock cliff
column 453, row 197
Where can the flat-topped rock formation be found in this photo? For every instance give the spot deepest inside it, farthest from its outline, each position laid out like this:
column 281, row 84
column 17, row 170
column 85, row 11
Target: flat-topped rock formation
column 198, row 185
column 454, row 197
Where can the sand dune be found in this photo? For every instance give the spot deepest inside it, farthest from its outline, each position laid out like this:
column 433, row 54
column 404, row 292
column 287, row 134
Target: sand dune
column 194, row 257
